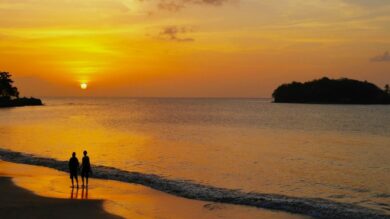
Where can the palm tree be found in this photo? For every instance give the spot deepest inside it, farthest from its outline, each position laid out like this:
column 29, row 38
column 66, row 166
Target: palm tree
column 7, row 91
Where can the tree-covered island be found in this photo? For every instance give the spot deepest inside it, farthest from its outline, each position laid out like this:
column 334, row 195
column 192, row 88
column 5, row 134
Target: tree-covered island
column 332, row 91
column 9, row 95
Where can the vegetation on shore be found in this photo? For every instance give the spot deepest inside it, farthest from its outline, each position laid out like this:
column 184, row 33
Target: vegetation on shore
column 332, row 91
column 9, row 95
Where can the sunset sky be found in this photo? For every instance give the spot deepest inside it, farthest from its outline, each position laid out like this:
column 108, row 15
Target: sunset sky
column 195, row 48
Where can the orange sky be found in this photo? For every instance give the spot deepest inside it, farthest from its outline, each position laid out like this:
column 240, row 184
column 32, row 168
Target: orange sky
column 227, row 48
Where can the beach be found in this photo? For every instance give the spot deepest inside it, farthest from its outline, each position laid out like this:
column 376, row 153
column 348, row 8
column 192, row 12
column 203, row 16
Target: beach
column 39, row 192
column 20, row 203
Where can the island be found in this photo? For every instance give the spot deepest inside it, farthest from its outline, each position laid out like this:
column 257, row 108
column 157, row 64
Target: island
column 9, row 95
column 332, row 91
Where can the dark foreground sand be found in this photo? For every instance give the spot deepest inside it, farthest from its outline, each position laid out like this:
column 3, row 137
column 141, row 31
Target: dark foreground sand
column 20, row 203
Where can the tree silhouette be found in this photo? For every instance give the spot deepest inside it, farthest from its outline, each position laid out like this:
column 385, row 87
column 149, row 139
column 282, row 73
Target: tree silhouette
column 7, row 90
column 9, row 95
column 387, row 89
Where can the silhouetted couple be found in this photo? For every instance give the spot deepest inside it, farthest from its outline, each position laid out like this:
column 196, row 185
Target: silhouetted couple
column 74, row 167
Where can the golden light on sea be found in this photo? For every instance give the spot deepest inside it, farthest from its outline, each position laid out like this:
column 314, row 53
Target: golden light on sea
column 83, row 86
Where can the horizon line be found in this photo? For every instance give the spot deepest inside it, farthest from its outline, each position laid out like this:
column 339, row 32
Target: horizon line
column 155, row 97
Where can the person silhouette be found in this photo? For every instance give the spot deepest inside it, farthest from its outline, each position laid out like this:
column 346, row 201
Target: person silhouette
column 73, row 168
column 85, row 168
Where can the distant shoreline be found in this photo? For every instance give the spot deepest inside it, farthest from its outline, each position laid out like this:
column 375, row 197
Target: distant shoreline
column 20, row 102
column 10, row 96
column 334, row 104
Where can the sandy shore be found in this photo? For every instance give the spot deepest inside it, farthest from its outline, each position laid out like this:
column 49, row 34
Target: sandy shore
column 39, row 192
column 20, row 203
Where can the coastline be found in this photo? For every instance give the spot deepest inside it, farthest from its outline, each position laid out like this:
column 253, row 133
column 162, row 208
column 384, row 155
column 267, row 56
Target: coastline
column 106, row 198
column 20, row 102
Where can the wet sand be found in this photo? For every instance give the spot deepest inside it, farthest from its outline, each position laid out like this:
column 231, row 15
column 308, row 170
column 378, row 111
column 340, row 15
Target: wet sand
column 39, row 192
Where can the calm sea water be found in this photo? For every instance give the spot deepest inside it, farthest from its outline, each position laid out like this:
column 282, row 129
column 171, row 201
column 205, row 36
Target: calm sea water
column 336, row 152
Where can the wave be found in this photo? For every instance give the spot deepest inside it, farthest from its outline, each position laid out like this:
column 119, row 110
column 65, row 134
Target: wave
column 315, row 207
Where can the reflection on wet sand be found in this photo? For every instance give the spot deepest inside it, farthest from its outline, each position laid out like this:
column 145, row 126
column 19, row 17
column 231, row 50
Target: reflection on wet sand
column 84, row 193
column 74, row 192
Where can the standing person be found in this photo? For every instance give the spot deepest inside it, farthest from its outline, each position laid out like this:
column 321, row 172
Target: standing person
column 85, row 168
column 73, row 168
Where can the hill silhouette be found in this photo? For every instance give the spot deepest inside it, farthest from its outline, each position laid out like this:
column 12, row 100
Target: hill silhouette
column 332, row 91
column 9, row 95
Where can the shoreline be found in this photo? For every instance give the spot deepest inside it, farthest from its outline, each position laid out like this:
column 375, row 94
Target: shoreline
column 314, row 207
column 107, row 197
column 17, row 202
column 20, row 102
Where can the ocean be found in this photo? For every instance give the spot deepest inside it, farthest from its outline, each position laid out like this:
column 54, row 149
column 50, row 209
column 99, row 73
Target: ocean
column 320, row 154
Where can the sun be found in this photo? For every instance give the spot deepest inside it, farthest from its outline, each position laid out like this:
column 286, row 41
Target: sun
column 83, row 86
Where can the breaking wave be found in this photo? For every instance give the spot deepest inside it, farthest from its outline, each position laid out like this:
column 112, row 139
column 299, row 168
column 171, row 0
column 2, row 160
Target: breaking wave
column 315, row 207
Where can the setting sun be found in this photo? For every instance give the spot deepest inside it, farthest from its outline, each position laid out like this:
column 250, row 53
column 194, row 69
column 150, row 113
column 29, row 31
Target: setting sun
column 84, row 86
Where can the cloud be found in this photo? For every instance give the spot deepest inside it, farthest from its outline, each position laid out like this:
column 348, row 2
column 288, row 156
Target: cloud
column 173, row 33
column 382, row 58
column 68, row 4
column 369, row 3
column 176, row 5
column 209, row 2
column 170, row 6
